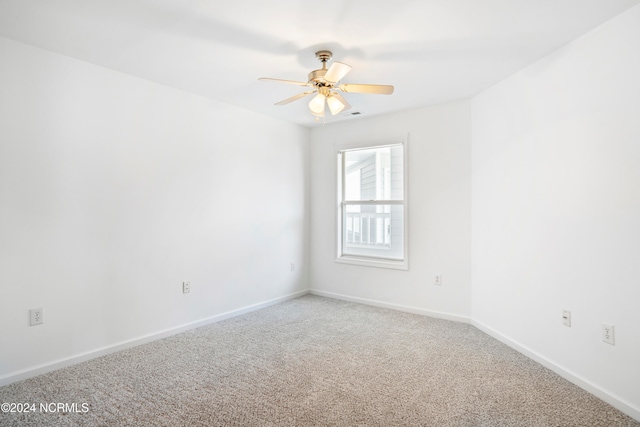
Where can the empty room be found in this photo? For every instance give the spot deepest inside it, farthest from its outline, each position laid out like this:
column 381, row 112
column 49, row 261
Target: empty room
column 342, row 213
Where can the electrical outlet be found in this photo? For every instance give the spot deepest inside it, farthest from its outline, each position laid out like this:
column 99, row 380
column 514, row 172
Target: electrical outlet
column 438, row 280
column 608, row 333
column 186, row 287
column 293, row 267
column 566, row 318
column 36, row 316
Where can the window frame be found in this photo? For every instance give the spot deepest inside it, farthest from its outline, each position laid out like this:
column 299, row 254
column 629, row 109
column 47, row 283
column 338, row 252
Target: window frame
column 364, row 260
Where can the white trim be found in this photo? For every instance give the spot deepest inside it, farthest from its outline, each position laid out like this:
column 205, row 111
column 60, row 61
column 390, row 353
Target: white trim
column 373, row 262
column 82, row 357
column 369, row 144
column 399, row 307
column 372, row 202
column 339, row 172
column 617, row 402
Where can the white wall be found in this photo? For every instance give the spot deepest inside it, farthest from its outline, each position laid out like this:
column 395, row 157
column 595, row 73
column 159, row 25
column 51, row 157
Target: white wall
column 114, row 190
column 439, row 212
column 556, row 209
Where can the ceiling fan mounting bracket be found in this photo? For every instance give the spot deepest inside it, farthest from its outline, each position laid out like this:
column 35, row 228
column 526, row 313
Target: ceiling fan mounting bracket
column 324, row 56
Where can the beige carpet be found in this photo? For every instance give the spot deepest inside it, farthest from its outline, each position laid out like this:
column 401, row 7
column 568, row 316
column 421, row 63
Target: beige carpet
column 314, row 361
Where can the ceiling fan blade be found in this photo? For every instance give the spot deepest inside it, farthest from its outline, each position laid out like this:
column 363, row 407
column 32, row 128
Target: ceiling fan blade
column 360, row 88
column 295, row 97
column 337, row 71
column 291, row 82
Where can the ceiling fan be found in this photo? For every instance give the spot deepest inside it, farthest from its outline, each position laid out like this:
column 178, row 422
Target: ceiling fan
column 325, row 84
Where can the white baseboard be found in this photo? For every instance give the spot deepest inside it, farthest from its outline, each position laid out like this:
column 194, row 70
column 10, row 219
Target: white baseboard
column 622, row 405
column 627, row 407
column 405, row 308
column 62, row 363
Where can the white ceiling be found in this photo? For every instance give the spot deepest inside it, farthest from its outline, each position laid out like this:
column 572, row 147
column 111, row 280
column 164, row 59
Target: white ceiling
column 432, row 51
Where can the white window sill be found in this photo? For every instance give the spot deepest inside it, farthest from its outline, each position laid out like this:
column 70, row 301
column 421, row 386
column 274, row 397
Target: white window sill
column 373, row 262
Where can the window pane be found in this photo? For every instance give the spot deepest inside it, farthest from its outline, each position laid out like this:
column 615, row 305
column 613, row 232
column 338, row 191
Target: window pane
column 374, row 174
column 373, row 230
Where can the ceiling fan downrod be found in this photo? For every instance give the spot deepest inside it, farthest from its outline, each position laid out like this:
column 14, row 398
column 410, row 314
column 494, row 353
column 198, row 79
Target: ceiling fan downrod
column 317, row 76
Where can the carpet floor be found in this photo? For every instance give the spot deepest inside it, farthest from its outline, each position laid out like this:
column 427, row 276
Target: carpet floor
column 312, row 361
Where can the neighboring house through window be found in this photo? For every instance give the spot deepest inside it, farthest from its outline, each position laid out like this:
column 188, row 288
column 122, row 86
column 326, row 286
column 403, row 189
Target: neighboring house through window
column 372, row 212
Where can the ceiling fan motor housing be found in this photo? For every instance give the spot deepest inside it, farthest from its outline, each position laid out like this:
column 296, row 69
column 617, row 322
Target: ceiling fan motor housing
column 317, row 76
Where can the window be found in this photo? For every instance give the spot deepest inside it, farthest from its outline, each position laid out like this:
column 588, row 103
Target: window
column 372, row 212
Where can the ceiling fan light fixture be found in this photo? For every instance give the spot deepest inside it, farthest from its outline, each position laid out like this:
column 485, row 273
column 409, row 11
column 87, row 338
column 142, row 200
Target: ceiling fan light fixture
column 335, row 105
column 316, row 105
